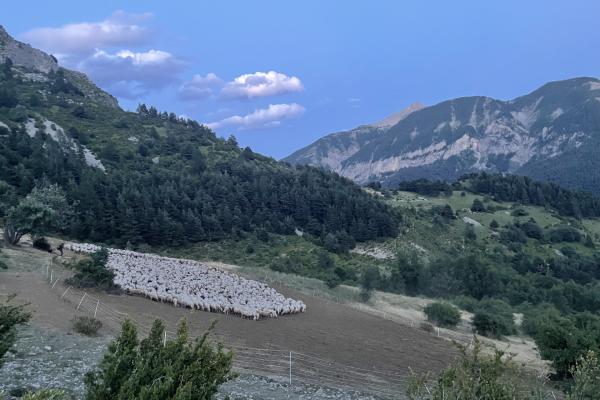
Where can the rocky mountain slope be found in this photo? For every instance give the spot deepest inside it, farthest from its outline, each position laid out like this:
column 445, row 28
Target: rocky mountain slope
column 550, row 134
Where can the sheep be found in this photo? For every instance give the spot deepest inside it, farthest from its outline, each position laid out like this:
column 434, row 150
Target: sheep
column 191, row 284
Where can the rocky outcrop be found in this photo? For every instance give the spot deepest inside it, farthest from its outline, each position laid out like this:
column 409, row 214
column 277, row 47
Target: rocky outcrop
column 34, row 64
column 23, row 55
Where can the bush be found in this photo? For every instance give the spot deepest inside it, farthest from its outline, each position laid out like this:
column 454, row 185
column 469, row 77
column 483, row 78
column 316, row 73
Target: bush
column 467, row 303
column 10, row 317
column 42, row 244
column 46, row 394
column 442, row 314
column 519, row 212
column 494, row 318
column 564, row 234
column 427, row 327
column 332, row 281
column 86, row 325
column 474, row 376
column 157, row 369
column 477, row 206
column 92, row 273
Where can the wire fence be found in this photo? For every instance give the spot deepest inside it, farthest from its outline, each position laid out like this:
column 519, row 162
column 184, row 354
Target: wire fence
column 285, row 366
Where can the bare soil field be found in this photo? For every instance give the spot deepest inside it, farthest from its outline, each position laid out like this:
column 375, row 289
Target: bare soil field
column 328, row 330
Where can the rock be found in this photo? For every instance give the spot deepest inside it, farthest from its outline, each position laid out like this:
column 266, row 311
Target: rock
column 47, row 348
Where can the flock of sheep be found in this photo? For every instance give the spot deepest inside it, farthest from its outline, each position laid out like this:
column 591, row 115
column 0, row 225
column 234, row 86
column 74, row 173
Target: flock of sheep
column 192, row 284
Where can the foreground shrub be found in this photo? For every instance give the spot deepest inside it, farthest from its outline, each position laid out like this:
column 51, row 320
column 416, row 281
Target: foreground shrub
column 86, row 325
column 92, row 272
column 442, row 314
column 157, row 369
column 474, row 376
column 586, row 378
column 10, row 317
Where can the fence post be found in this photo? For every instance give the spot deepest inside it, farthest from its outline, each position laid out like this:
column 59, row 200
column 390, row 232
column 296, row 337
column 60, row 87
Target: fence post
column 65, row 292
column 81, row 301
column 290, row 367
column 51, row 275
column 55, row 282
column 165, row 339
column 96, row 310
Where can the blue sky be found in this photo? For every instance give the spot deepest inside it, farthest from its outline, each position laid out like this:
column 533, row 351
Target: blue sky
column 280, row 74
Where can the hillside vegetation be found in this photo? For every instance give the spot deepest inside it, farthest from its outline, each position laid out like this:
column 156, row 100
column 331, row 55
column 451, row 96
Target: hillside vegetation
column 152, row 178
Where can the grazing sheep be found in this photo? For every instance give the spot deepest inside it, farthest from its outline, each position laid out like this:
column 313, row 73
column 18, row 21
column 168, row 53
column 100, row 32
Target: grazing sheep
column 191, row 284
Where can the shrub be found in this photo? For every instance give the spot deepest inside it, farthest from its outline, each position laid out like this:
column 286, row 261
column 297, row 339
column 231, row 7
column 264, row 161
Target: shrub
column 586, row 378
column 92, row 272
column 42, row 243
column 474, row 376
column 470, row 232
column 46, row 394
column 442, row 314
column 10, row 317
column 564, row 234
column 427, row 327
column 86, row 325
column 477, row 206
column 494, row 224
column 157, row 369
column 494, row 318
column 332, row 281
column 519, row 212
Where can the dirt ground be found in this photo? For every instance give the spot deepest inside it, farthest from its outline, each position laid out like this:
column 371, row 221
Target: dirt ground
column 328, row 330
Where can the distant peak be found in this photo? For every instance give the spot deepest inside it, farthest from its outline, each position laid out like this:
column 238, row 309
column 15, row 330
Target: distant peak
column 393, row 119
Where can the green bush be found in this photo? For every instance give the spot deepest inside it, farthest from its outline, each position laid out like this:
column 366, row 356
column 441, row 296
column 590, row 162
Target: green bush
column 46, row 394
column 86, row 325
column 92, row 273
column 10, row 317
column 494, row 318
column 442, row 314
column 475, row 376
column 156, row 368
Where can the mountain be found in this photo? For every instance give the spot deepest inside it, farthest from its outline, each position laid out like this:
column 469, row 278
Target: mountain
column 332, row 150
column 551, row 134
column 151, row 178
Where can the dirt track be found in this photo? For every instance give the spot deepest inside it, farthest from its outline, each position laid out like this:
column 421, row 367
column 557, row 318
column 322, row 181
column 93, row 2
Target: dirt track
column 328, row 330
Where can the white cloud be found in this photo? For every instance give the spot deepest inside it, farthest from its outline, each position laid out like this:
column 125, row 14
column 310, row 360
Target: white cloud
column 131, row 74
column 119, row 30
column 261, row 118
column 199, row 87
column 261, row 84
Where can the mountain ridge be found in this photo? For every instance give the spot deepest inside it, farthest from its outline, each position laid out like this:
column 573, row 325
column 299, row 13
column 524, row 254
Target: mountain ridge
column 478, row 133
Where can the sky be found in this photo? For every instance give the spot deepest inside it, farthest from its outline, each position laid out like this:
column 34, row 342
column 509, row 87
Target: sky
column 280, row 74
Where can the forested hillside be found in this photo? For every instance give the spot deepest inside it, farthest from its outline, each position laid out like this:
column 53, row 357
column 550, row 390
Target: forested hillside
column 151, row 177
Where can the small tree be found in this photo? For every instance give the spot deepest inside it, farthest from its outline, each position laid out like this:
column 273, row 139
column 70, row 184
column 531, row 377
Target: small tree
column 10, row 317
column 42, row 211
column 442, row 314
column 158, row 369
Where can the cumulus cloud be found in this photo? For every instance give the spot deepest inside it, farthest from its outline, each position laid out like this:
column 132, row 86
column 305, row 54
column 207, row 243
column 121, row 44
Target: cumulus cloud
column 131, row 74
column 261, row 118
column 199, row 87
column 261, row 84
column 119, row 30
